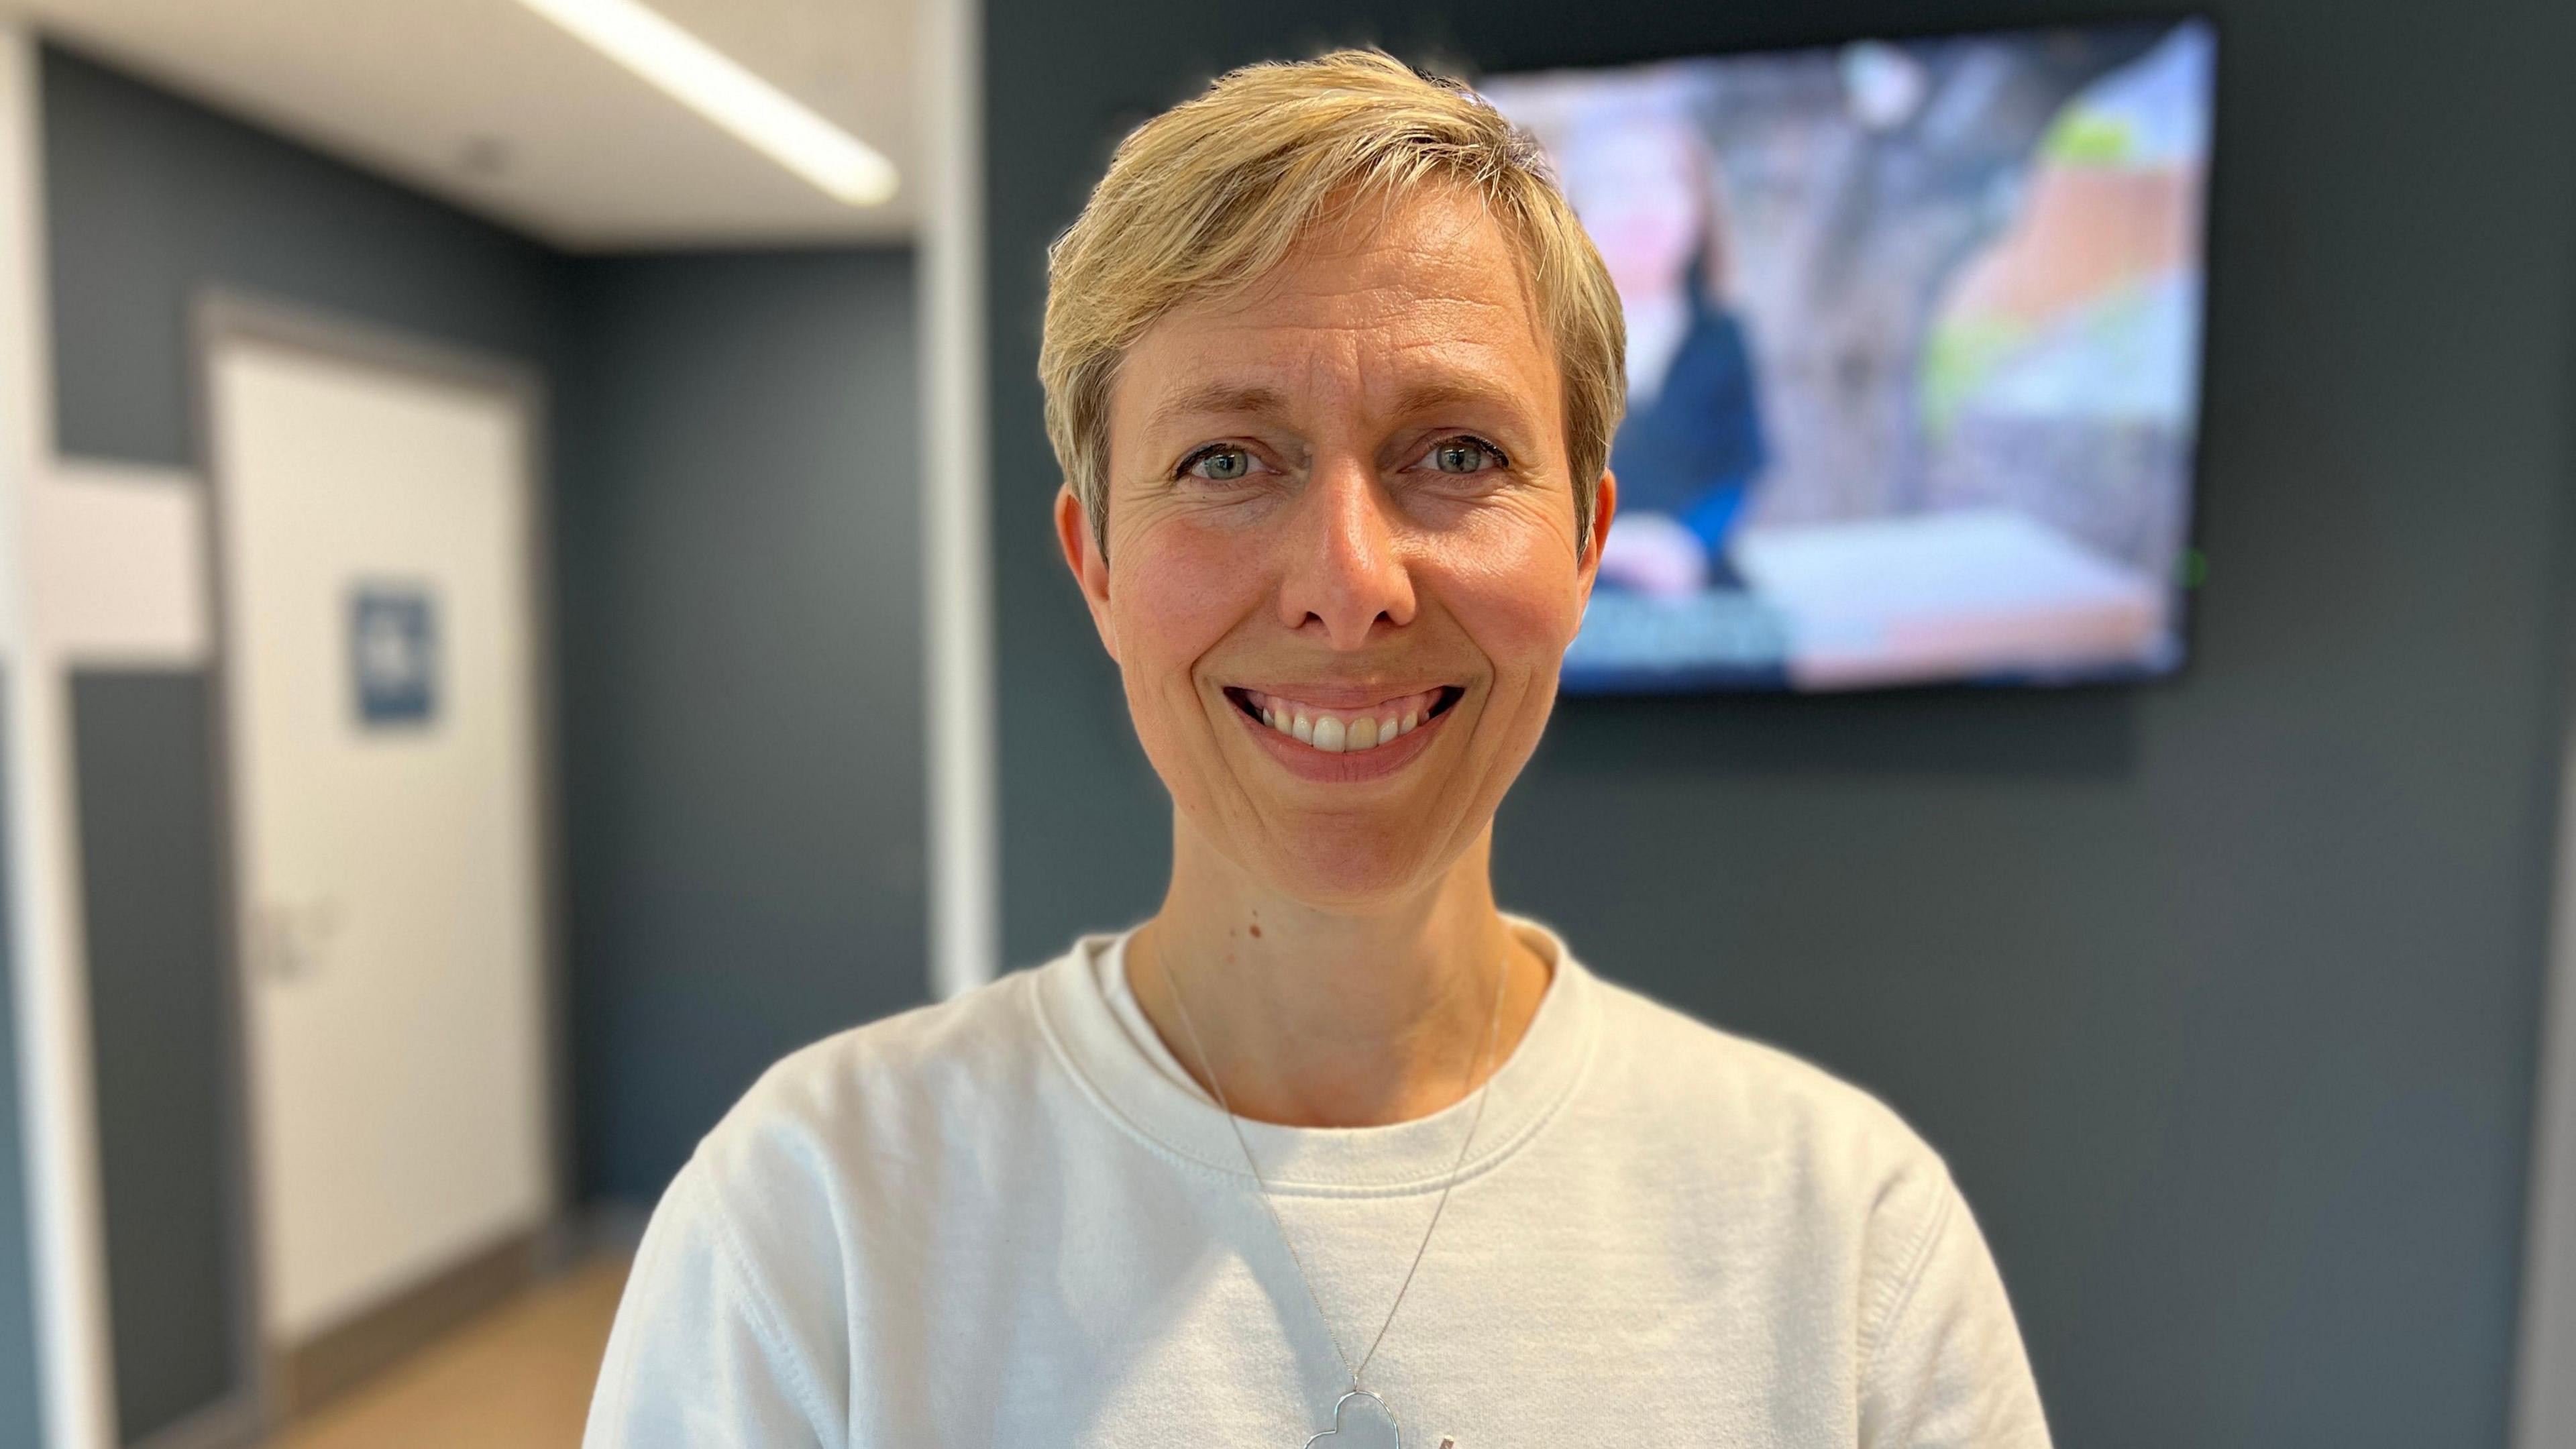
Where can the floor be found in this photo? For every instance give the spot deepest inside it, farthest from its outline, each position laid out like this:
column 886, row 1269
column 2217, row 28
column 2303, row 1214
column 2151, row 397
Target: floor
column 519, row 1377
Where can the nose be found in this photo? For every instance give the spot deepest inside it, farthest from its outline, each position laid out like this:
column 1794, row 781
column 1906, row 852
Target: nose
column 1346, row 568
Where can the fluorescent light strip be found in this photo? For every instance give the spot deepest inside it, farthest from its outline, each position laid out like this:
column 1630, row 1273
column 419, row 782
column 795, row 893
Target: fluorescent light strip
column 711, row 83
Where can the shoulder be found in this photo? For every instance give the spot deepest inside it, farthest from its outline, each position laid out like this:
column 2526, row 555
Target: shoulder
column 837, row 1155
column 1766, row 1116
column 1776, row 1160
column 887, row 1088
column 1841, row 1215
column 740, row 1302
column 1722, row 1070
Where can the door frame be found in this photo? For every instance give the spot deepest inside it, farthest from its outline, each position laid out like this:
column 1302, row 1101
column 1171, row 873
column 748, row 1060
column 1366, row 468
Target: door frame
column 2543, row 1400
column 219, row 318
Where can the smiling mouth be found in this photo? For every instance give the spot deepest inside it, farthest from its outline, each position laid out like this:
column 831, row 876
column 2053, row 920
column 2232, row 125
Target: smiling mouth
column 1346, row 731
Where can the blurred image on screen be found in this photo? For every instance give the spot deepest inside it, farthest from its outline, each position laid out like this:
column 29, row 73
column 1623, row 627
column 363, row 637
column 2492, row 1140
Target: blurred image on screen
column 1913, row 355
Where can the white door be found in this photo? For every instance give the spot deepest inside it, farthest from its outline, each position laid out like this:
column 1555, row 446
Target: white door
column 376, row 534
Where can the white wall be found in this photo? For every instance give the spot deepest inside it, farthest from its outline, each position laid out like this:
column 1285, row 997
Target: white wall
column 2545, row 1383
column 965, row 818
column 43, row 867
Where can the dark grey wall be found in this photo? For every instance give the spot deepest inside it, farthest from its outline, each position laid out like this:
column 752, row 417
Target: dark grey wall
column 150, row 198
column 2219, row 995
column 21, row 1424
column 141, row 744
column 741, row 605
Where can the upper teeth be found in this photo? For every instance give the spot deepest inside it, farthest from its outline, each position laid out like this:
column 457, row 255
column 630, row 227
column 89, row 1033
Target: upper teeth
column 1338, row 731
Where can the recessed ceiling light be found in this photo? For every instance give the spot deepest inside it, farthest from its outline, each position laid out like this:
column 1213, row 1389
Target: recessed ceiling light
column 711, row 83
column 484, row 156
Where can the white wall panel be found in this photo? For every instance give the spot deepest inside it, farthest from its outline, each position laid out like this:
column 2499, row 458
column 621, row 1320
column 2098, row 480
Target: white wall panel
column 117, row 564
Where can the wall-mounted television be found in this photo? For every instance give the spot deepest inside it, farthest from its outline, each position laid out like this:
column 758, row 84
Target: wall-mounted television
column 1914, row 341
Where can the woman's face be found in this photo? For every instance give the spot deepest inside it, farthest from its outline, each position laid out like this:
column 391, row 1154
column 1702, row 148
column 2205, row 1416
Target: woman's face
column 1341, row 497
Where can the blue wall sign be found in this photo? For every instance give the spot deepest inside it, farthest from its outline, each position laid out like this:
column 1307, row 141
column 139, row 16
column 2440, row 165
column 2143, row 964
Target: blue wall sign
column 393, row 654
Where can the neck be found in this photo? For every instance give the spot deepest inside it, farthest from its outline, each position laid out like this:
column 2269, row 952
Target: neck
column 1334, row 1017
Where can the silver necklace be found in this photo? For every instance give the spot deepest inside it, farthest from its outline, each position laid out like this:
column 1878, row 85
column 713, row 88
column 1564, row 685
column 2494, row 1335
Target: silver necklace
column 1358, row 1390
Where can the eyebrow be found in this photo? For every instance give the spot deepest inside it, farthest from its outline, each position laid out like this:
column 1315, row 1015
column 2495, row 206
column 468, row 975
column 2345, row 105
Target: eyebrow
column 1423, row 397
column 1229, row 399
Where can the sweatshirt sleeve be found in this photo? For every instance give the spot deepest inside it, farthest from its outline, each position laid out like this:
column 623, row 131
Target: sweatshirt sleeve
column 1946, row 1369
column 700, row 1356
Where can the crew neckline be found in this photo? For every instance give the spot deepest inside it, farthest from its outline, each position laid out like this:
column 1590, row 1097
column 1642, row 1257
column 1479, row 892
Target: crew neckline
column 1092, row 1021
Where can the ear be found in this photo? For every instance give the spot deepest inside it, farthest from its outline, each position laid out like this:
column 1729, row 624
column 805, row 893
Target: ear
column 1605, row 506
column 1090, row 566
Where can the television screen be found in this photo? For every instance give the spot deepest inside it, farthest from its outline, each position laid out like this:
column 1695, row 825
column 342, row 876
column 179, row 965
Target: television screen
column 1913, row 355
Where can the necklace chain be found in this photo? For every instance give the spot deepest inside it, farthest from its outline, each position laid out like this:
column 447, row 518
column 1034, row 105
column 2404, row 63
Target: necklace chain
column 1493, row 1036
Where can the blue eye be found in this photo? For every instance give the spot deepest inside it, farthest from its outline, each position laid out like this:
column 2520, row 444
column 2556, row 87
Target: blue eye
column 1222, row 465
column 1465, row 455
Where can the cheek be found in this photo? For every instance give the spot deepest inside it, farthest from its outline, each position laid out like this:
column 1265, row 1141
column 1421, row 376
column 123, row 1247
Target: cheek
column 1514, row 593
column 1174, row 591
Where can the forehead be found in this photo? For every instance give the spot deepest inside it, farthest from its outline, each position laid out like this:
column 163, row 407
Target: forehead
column 1382, row 298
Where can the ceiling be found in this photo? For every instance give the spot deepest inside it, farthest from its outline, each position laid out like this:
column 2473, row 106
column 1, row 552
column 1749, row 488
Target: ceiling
column 489, row 106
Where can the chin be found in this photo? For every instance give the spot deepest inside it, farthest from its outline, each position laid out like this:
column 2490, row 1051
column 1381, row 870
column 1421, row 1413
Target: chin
column 1349, row 865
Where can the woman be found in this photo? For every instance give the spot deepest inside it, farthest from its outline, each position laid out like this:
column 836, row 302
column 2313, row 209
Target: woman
column 1329, row 1145
column 1691, row 445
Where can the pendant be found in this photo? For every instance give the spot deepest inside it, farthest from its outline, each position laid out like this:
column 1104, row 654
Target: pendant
column 1369, row 1425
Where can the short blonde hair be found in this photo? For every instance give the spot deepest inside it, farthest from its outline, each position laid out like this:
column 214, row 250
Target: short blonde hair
column 1210, row 195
